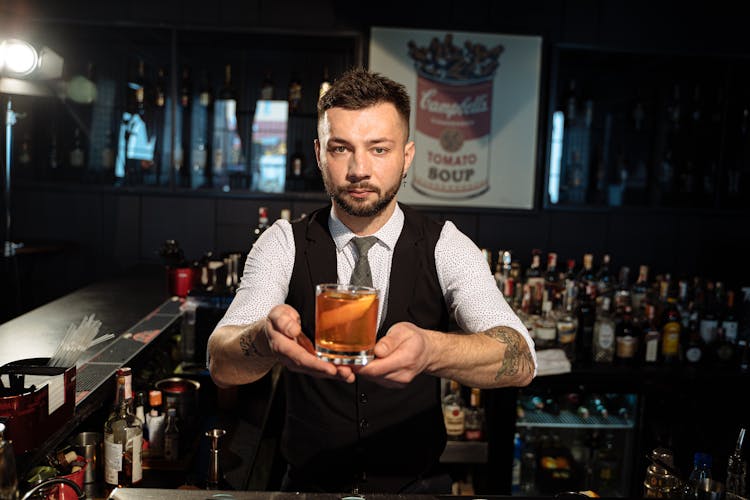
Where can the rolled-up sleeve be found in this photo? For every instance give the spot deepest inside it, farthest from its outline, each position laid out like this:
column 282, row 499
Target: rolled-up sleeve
column 469, row 287
column 265, row 278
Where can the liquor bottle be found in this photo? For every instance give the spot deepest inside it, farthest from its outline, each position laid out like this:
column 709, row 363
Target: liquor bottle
column 736, row 482
column 545, row 329
column 123, row 435
column 586, row 319
column 156, row 422
column 267, row 87
column 77, row 157
column 325, row 83
column 709, row 314
column 722, row 350
column 454, row 412
column 295, row 180
column 502, row 274
column 695, row 348
column 534, row 280
column 140, row 412
column 183, row 159
column 586, row 275
column 567, row 322
column 671, row 331
column 651, row 337
column 604, row 279
column 171, row 437
column 627, row 337
column 227, row 148
column 698, row 476
column 728, row 319
column 622, row 293
column 262, row 223
column 604, row 333
column 475, row 418
column 551, row 279
column 640, row 289
column 138, row 152
column 295, row 94
column 160, row 170
column 202, row 125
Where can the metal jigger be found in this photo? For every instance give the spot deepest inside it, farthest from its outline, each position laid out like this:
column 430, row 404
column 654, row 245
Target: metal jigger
column 214, row 472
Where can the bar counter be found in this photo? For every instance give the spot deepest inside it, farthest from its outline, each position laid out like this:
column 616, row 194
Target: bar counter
column 135, row 308
column 165, row 494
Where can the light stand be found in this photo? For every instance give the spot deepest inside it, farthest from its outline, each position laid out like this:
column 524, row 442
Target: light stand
column 22, row 68
column 9, row 247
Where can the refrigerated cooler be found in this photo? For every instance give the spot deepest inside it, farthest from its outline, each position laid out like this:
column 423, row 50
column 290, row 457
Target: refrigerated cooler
column 574, row 441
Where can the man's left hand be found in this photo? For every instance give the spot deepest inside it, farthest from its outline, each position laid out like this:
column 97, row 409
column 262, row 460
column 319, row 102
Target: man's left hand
column 401, row 355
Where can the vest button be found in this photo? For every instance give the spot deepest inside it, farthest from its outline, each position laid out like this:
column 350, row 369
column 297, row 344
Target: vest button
column 363, row 424
column 363, row 398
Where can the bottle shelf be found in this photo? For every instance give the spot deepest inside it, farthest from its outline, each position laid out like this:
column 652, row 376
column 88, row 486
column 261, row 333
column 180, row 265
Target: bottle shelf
column 568, row 420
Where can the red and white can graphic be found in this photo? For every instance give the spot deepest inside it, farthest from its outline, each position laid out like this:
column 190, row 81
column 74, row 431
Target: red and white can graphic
column 453, row 124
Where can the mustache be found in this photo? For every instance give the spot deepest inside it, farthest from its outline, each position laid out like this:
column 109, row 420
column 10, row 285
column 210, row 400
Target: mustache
column 359, row 185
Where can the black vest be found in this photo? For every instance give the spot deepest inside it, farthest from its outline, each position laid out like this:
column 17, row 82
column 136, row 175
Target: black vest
column 334, row 430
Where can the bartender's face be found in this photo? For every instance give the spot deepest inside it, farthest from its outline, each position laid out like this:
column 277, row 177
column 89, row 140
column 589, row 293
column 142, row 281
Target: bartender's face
column 363, row 156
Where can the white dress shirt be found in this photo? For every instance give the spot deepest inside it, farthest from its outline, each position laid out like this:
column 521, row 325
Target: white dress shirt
column 469, row 288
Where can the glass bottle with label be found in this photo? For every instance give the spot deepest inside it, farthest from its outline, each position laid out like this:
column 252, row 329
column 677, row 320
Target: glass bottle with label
column 454, row 412
column 670, row 332
column 639, row 293
column 604, row 333
column 474, row 422
column 262, row 223
column 651, row 336
column 586, row 319
column 123, row 436
column 627, row 337
column 171, row 437
column 695, row 350
column 545, row 328
column 567, row 322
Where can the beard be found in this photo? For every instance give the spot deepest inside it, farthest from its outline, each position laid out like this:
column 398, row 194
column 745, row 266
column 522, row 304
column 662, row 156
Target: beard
column 361, row 208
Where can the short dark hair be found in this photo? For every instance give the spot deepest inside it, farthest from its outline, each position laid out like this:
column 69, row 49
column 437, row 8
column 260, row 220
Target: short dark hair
column 358, row 88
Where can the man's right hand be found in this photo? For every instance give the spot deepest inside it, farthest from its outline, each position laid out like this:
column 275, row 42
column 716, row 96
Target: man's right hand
column 283, row 331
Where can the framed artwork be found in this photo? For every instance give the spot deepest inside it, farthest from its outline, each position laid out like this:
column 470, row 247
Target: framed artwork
column 475, row 100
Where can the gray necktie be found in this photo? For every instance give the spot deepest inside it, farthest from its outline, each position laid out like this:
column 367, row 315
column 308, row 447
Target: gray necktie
column 362, row 275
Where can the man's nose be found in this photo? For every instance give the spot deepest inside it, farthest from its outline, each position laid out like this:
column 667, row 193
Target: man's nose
column 359, row 165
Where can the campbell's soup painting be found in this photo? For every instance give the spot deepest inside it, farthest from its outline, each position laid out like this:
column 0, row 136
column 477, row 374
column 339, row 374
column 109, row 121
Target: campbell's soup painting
column 453, row 117
column 474, row 128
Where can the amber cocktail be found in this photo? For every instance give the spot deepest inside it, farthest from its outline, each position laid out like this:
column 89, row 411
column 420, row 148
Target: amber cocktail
column 346, row 320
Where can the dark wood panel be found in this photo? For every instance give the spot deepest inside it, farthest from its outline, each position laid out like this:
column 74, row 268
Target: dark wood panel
column 190, row 221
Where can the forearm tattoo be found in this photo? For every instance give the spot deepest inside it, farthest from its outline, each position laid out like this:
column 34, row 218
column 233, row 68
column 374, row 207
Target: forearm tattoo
column 248, row 344
column 517, row 357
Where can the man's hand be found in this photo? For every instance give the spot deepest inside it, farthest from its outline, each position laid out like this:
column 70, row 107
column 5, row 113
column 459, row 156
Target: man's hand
column 294, row 350
column 401, row 355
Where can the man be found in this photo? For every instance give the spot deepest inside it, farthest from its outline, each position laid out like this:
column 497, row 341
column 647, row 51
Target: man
column 377, row 427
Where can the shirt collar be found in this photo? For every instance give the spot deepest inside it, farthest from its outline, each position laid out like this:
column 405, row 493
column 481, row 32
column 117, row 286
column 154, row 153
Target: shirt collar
column 388, row 234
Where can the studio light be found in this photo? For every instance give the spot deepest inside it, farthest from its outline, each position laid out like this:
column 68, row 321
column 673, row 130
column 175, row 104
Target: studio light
column 18, row 58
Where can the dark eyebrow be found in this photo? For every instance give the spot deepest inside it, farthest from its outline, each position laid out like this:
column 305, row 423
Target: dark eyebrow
column 378, row 140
